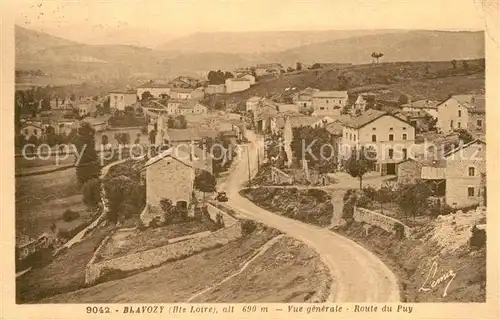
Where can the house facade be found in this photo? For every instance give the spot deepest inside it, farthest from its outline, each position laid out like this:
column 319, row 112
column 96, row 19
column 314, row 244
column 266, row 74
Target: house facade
column 429, row 106
column 30, row 129
column 252, row 103
column 156, row 90
column 215, row 89
column 329, row 102
column 454, row 112
column 120, row 100
column 303, row 99
column 248, row 77
column 465, row 175
column 264, row 69
column 237, row 85
column 391, row 137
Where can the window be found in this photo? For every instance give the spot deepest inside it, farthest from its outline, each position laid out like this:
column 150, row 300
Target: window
column 451, row 124
column 26, row 132
column 35, row 132
column 458, row 125
column 479, row 122
column 391, row 153
column 391, row 137
column 350, row 136
column 459, row 113
column 404, row 128
column 472, row 172
column 405, row 154
column 326, row 101
column 390, row 129
column 346, row 135
column 374, row 129
column 470, row 191
column 354, row 137
column 405, row 136
column 374, row 138
column 321, row 108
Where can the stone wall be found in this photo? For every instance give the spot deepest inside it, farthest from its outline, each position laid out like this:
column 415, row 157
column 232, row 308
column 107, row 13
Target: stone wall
column 279, row 177
column 379, row 220
column 158, row 256
column 409, row 172
column 213, row 211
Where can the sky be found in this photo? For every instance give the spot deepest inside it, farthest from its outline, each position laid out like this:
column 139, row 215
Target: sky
column 153, row 22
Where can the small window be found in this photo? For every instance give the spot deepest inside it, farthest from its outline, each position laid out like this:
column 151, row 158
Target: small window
column 404, row 128
column 390, row 129
column 35, row 131
column 354, row 137
column 472, row 172
column 458, row 125
column 470, row 191
column 391, row 137
column 326, row 101
column 26, row 132
column 405, row 136
column 479, row 122
column 346, row 135
column 391, row 153
column 459, row 113
column 350, row 136
column 374, row 138
column 405, row 154
column 374, row 129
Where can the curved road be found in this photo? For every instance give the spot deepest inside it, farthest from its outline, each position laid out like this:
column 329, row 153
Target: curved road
column 358, row 275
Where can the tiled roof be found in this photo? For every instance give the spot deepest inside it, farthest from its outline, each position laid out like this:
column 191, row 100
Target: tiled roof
column 330, row 94
column 181, row 90
column 304, row 120
column 190, row 134
column 365, row 118
column 174, row 153
column 334, row 128
column 155, row 85
column 464, row 146
column 422, row 104
column 254, row 99
column 479, row 105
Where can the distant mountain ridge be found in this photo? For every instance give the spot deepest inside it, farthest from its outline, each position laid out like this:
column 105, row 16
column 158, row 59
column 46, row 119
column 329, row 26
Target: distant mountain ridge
column 38, row 50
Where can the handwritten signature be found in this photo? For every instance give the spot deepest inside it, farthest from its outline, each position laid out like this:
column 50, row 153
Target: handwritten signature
column 431, row 281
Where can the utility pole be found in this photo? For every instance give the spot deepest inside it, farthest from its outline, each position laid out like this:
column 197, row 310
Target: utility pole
column 258, row 160
column 248, row 164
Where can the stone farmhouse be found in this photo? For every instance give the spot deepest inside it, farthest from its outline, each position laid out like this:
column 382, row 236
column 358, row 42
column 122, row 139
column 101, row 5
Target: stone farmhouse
column 118, row 100
column 329, row 102
column 462, row 112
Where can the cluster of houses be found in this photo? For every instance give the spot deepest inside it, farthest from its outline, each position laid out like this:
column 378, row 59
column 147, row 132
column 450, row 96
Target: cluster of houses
column 457, row 178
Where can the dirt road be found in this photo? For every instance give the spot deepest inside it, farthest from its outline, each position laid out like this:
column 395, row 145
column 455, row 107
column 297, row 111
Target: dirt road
column 359, row 276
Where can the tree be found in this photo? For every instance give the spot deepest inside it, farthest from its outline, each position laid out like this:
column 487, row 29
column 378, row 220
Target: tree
column 146, row 95
column 343, row 82
column 228, row 75
column 376, row 56
column 383, row 195
column 137, row 138
column 465, row 65
column 316, row 66
column 205, row 182
column 312, row 144
column 91, row 192
column 464, row 135
column 360, row 162
column 106, row 105
column 125, row 197
column 412, row 198
column 170, row 122
column 403, row 99
column 298, row 67
column 123, row 138
column 454, row 64
column 88, row 165
column 290, row 69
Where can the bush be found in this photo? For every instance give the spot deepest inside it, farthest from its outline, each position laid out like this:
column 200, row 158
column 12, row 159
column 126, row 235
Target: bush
column 478, row 238
column 70, row 215
column 399, row 230
column 248, row 226
column 319, row 195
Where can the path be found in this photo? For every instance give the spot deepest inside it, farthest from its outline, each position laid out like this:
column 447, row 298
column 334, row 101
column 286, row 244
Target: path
column 359, row 276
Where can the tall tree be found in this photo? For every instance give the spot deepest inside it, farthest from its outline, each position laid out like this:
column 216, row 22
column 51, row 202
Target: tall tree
column 412, row 198
column 91, row 192
column 361, row 162
column 454, row 64
column 87, row 167
column 205, row 182
column 298, row 66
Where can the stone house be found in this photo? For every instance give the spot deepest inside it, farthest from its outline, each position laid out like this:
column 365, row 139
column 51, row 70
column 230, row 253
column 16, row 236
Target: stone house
column 264, row 69
column 303, row 99
column 215, row 89
column 419, row 119
column 31, row 129
column 465, row 175
column 252, row 103
column 429, row 106
column 430, row 171
column 156, row 90
column 329, row 102
column 248, row 77
column 390, row 136
column 237, row 84
column 454, row 113
column 476, row 123
column 118, row 100
column 169, row 175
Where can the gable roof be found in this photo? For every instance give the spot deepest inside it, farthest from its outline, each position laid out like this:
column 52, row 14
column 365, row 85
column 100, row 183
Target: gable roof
column 479, row 105
column 335, row 128
column 189, row 134
column 155, row 85
column 464, row 146
column 329, row 94
column 422, row 104
column 181, row 90
column 360, row 99
column 368, row 117
column 177, row 154
column 254, row 99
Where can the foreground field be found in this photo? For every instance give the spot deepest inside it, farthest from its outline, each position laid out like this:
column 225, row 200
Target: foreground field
column 42, row 199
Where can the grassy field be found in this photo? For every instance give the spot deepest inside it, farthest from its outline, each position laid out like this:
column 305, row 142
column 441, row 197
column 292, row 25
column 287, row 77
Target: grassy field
column 429, row 80
column 42, row 199
column 175, row 281
column 288, row 272
column 66, row 273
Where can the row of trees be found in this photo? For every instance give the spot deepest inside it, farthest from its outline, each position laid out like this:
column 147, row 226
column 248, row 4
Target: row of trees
column 219, row 77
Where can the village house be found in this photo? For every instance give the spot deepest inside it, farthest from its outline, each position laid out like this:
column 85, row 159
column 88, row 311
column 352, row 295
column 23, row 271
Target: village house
column 466, row 175
column 191, row 107
column 29, row 129
column 476, row 123
column 391, row 137
column 359, row 106
column 200, row 158
column 419, row 119
column 155, row 89
column 248, row 77
column 329, row 102
column 181, row 93
column 99, row 123
column 426, row 170
column 454, row 112
column 303, row 98
column 174, row 137
column 118, row 100
column 429, row 106
column 169, row 175
column 215, row 89
column 60, row 104
column 266, row 109
column 85, row 109
column 264, row 69
column 287, row 107
column 237, row 85
column 252, row 103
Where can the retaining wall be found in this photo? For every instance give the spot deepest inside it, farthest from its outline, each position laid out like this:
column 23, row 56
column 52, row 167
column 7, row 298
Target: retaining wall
column 279, row 177
column 158, row 256
column 379, row 220
column 213, row 211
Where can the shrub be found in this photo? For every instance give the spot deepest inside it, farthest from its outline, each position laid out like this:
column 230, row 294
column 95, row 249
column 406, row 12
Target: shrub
column 319, row 195
column 399, row 230
column 478, row 238
column 248, row 226
column 70, row 215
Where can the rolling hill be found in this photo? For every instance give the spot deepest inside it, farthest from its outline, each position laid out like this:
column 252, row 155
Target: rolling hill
column 399, row 46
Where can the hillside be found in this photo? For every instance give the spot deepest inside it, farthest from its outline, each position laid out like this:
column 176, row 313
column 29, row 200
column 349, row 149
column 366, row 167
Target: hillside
column 400, row 46
column 30, row 42
column 256, row 42
column 420, row 80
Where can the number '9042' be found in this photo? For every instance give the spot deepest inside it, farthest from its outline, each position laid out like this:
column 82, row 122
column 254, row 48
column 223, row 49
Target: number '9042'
column 98, row 310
